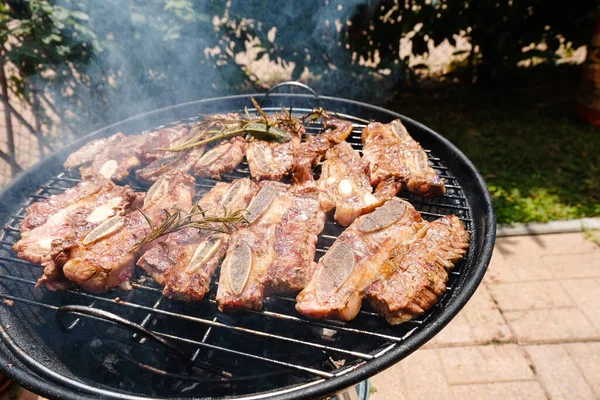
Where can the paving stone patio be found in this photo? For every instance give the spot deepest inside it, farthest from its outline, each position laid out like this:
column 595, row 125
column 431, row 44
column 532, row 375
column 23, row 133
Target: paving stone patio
column 531, row 331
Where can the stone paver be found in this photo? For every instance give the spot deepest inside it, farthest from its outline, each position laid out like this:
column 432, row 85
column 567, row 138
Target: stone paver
column 480, row 364
column 525, row 390
column 407, row 380
column 551, row 325
column 586, row 294
column 530, row 295
column 478, row 323
column 559, row 374
column 516, row 268
column 587, row 358
column 579, row 265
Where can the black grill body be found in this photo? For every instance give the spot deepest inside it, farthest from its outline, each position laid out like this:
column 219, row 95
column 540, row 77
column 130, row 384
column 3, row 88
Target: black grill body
column 52, row 345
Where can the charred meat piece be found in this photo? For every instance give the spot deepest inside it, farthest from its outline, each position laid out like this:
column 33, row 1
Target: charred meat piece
column 315, row 146
column 105, row 257
column 390, row 152
column 250, row 252
column 186, row 261
column 420, row 272
column 295, row 242
column 38, row 213
column 345, row 185
column 114, row 161
column 113, row 157
column 72, row 221
column 356, row 259
column 221, row 159
column 151, row 143
column 270, row 160
column 176, row 162
column 275, row 252
column 86, row 154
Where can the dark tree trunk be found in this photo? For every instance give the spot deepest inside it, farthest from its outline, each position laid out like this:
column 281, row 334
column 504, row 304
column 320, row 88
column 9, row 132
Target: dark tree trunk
column 7, row 120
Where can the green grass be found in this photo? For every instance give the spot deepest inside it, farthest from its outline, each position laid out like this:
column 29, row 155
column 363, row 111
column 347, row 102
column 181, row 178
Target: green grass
column 540, row 164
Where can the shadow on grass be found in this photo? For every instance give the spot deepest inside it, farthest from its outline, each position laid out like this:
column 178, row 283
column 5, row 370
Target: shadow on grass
column 539, row 162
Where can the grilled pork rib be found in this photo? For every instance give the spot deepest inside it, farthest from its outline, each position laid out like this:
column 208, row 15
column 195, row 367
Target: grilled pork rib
column 389, row 152
column 345, row 185
column 186, row 261
column 105, row 258
column 356, row 259
column 275, row 252
column 271, row 160
column 420, row 272
column 72, row 219
column 315, row 146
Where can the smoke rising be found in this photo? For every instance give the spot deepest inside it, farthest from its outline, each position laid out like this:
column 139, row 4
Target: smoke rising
column 147, row 55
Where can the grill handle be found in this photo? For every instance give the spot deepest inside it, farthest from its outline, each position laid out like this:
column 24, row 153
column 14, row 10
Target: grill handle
column 115, row 319
column 292, row 84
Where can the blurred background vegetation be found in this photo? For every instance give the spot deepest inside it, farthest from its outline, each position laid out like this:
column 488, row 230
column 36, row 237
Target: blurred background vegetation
column 505, row 95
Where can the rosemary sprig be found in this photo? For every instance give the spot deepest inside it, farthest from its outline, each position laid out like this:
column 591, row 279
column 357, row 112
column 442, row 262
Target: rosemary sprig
column 320, row 113
column 195, row 218
column 261, row 128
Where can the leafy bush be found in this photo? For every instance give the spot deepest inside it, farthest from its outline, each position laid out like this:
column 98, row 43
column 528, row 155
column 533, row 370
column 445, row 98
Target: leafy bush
column 101, row 61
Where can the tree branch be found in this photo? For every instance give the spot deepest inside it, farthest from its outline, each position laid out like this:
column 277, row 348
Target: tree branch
column 24, row 122
column 10, row 161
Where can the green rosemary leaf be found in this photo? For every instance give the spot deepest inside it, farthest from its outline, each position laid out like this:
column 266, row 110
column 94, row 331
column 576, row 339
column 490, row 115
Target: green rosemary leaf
column 262, row 131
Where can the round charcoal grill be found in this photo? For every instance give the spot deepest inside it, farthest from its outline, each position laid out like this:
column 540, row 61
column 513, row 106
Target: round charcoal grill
column 138, row 344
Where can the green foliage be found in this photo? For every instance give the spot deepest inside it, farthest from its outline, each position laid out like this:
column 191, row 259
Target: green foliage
column 538, row 163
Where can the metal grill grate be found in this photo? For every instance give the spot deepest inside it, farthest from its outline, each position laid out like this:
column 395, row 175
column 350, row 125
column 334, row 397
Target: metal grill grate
column 241, row 353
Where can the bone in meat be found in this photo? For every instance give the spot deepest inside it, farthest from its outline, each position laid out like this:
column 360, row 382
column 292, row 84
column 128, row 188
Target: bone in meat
column 105, row 258
column 420, row 272
column 71, row 222
column 315, row 146
column 275, row 252
column 390, row 152
column 38, row 213
column 221, row 159
column 271, row 160
column 345, row 185
column 186, row 261
column 356, row 259
column 114, row 157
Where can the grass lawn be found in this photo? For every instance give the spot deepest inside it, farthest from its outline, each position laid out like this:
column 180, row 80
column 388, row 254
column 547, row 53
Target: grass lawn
column 539, row 162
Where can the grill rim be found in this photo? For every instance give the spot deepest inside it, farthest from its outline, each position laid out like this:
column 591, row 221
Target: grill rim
column 482, row 201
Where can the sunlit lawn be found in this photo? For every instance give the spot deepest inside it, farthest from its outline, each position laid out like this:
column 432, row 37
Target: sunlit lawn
column 540, row 164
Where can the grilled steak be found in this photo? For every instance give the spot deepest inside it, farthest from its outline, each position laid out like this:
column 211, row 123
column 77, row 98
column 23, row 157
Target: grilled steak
column 275, row 252
column 187, row 260
column 149, row 144
column 86, row 154
column 114, row 162
column 420, row 272
column 315, row 146
column 345, row 185
column 270, row 160
column 356, row 259
column 38, row 213
column 113, row 157
column 221, row 159
column 73, row 221
column 178, row 162
column 390, row 152
column 105, row 257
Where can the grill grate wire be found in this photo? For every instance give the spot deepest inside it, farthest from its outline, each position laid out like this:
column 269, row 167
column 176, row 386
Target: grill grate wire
column 159, row 310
